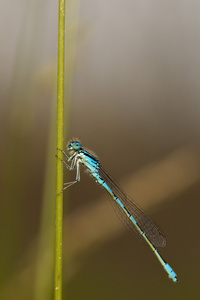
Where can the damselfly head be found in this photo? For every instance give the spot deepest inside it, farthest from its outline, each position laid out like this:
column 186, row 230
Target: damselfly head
column 75, row 145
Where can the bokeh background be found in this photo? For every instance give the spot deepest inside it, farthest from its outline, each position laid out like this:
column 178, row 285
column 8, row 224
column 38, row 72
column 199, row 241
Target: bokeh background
column 132, row 96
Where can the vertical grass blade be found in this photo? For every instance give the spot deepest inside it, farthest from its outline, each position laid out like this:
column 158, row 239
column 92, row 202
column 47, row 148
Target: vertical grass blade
column 59, row 167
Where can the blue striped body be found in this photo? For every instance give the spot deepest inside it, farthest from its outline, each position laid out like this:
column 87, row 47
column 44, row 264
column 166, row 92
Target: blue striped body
column 136, row 219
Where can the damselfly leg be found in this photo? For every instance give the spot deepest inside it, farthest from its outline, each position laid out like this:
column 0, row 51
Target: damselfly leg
column 74, row 165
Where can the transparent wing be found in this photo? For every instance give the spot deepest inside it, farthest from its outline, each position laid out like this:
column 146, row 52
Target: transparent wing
column 153, row 233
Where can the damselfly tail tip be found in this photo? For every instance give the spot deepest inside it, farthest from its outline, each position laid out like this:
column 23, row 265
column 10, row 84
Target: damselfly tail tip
column 175, row 279
column 171, row 274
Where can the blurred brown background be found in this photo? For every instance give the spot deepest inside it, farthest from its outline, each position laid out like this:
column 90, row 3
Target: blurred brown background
column 132, row 77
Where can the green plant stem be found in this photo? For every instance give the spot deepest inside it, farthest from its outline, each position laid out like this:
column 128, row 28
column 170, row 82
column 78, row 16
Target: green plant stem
column 59, row 167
